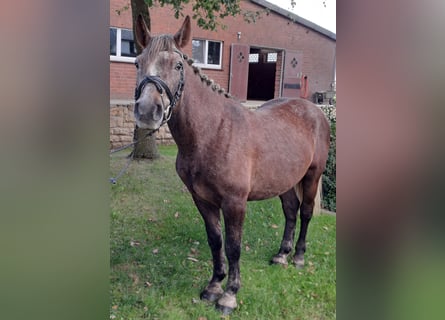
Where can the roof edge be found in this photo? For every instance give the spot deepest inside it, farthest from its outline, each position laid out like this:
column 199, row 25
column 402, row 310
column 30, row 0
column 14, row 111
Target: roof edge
column 296, row 18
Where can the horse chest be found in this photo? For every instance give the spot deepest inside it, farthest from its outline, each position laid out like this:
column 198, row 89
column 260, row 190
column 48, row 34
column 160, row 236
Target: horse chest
column 198, row 179
column 211, row 182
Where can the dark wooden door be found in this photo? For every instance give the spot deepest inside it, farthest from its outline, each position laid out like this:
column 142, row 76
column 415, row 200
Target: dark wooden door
column 239, row 70
column 292, row 74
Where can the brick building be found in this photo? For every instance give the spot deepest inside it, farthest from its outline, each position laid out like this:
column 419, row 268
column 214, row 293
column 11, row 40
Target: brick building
column 256, row 61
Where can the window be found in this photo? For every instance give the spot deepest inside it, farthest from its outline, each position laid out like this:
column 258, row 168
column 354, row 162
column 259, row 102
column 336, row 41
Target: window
column 263, row 57
column 254, row 57
column 207, row 54
column 122, row 47
column 272, row 57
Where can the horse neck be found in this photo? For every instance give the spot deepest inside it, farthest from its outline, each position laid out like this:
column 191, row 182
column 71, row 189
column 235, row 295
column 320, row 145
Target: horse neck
column 198, row 113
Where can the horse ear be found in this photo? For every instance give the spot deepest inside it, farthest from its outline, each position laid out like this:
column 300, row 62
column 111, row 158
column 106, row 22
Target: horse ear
column 142, row 32
column 182, row 37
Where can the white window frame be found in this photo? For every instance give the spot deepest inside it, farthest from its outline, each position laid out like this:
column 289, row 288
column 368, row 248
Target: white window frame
column 118, row 57
column 205, row 65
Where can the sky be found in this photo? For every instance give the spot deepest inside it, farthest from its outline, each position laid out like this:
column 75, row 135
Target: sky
column 313, row 10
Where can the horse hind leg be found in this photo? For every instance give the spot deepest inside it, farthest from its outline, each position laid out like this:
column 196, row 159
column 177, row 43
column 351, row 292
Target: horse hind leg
column 290, row 205
column 309, row 186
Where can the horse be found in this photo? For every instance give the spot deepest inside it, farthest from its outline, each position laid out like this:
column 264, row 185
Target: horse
column 228, row 154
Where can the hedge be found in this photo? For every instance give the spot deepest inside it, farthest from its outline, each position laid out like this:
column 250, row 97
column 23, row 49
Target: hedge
column 329, row 197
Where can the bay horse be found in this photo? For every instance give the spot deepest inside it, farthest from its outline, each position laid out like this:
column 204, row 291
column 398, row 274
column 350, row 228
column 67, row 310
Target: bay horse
column 227, row 154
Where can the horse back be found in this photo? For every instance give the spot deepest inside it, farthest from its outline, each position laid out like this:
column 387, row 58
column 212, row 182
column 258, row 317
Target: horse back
column 293, row 119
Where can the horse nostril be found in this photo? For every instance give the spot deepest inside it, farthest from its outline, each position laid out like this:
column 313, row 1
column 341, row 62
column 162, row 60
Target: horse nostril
column 158, row 112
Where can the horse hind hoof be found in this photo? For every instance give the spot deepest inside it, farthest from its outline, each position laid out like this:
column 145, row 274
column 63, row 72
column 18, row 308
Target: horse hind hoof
column 224, row 309
column 226, row 304
column 298, row 262
column 279, row 259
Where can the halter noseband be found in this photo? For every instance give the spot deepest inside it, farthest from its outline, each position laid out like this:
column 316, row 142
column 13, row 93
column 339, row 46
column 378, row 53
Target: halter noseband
column 161, row 86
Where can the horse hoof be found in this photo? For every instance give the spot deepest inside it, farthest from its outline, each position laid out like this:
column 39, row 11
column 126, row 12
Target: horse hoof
column 298, row 262
column 279, row 259
column 224, row 310
column 212, row 292
column 226, row 304
column 209, row 296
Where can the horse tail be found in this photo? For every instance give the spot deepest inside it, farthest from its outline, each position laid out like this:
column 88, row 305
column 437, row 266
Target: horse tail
column 299, row 191
column 317, row 200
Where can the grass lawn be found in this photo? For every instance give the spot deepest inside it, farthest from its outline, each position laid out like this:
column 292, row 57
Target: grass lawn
column 160, row 260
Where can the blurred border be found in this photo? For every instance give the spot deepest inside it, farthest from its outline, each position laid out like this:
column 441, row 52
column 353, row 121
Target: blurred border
column 54, row 126
column 389, row 159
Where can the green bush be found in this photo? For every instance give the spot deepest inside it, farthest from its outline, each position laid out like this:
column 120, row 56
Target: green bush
column 329, row 176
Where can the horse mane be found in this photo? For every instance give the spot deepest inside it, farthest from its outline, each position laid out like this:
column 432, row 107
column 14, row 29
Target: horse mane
column 204, row 78
column 165, row 42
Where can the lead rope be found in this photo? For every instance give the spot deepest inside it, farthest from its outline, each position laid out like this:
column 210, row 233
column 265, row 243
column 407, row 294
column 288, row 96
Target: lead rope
column 113, row 180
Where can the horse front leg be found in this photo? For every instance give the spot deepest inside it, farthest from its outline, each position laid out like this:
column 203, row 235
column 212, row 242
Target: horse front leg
column 211, row 215
column 234, row 212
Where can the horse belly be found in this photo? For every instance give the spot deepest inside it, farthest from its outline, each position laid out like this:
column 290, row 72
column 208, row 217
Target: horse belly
column 271, row 189
column 272, row 182
column 212, row 183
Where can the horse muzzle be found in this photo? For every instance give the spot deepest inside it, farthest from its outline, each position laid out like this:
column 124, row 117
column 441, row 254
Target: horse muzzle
column 149, row 117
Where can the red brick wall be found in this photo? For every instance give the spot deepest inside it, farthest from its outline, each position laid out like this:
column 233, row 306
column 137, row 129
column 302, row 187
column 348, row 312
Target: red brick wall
column 272, row 31
column 122, row 80
column 124, row 19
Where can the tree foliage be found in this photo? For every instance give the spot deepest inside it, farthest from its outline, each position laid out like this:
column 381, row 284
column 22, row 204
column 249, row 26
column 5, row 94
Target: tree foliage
column 207, row 13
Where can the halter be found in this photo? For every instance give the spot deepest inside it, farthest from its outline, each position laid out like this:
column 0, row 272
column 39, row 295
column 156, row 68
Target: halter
column 161, row 86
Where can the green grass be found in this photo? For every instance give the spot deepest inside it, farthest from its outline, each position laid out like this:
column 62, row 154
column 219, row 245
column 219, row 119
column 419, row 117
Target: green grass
column 160, row 260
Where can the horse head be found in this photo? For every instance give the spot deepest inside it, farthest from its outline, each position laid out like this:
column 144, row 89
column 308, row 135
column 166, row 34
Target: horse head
column 160, row 74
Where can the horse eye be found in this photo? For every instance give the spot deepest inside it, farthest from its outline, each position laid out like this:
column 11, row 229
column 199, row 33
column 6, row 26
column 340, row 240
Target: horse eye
column 136, row 65
column 178, row 66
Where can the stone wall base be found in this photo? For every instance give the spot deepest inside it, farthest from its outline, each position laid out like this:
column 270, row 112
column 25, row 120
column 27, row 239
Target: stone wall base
column 122, row 126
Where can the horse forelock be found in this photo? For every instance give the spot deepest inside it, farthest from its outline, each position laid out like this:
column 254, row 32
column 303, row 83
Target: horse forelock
column 164, row 42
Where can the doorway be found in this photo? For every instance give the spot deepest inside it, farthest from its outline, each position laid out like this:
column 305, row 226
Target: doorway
column 262, row 71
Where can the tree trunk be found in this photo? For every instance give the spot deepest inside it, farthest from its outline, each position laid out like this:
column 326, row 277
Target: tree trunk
column 146, row 148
